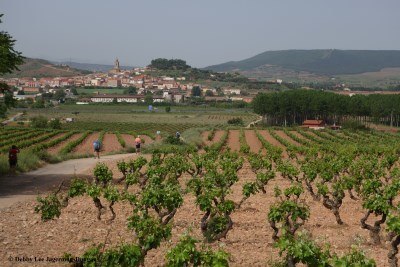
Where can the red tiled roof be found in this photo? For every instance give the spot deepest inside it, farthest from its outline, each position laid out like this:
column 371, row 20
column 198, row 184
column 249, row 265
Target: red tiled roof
column 313, row 122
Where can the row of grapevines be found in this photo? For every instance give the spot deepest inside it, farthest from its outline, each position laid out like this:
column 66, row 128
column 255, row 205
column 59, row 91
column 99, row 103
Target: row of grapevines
column 28, row 142
column 289, row 146
column 273, row 152
column 120, row 139
column 53, row 142
column 20, row 137
column 71, row 145
column 211, row 134
column 217, row 146
column 327, row 138
column 311, row 137
column 14, row 132
column 299, row 140
column 101, row 136
column 244, row 147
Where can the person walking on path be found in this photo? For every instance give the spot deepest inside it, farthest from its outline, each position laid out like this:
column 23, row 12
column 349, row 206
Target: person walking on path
column 13, row 158
column 138, row 142
column 97, row 147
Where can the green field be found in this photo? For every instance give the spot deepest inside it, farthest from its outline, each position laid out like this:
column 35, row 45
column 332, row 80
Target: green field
column 125, row 117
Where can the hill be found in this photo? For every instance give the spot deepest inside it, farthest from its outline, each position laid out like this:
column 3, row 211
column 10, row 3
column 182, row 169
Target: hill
column 91, row 67
column 38, row 68
column 318, row 62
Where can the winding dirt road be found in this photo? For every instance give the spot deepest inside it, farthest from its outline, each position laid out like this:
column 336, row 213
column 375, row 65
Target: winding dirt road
column 25, row 186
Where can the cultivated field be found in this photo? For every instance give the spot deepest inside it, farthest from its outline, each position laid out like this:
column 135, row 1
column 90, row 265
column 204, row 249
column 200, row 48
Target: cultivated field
column 334, row 171
column 125, row 117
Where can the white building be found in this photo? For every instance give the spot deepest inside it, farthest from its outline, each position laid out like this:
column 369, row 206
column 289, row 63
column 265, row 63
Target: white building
column 232, row 91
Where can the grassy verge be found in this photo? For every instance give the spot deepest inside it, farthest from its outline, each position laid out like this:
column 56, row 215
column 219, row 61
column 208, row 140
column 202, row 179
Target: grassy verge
column 27, row 160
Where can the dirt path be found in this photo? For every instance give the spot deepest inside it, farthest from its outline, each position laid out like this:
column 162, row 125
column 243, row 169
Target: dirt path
column 56, row 149
column 383, row 128
column 253, row 142
column 13, row 118
column 86, row 147
column 27, row 185
column 111, row 143
column 253, row 123
column 233, row 140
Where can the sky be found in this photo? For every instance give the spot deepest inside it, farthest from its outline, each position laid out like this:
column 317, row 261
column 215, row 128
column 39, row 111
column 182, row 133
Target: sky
column 203, row 32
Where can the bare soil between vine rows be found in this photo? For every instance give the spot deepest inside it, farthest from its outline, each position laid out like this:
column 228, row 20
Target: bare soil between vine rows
column 249, row 242
column 57, row 148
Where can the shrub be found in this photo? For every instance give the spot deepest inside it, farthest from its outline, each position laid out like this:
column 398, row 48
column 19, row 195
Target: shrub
column 55, row 124
column 168, row 109
column 236, row 121
column 172, row 140
column 39, row 122
column 49, row 207
column 353, row 125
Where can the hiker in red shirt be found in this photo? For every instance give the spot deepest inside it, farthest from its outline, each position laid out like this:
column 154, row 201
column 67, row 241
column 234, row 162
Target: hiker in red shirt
column 12, row 157
column 138, row 142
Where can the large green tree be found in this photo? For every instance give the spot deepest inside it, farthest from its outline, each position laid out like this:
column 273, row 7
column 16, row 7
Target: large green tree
column 196, row 91
column 295, row 106
column 9, row 60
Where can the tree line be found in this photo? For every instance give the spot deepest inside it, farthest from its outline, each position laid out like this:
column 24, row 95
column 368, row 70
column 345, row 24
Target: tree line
column 295, row 106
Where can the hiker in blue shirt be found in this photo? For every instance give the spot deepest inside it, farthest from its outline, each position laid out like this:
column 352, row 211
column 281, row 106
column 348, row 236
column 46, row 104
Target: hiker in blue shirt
column 97, row 147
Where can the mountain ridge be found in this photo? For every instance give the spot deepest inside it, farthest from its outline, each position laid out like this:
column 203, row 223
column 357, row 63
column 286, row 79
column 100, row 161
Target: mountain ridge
column 327, row 62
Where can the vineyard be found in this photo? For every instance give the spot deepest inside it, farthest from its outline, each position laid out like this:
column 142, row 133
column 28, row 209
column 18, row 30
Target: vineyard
column 39, row 145
column 249, row 197
column 147, row 128
column 63, row 141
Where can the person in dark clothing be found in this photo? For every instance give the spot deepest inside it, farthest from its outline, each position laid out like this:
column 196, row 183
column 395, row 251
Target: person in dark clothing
column 97, row 148
column 13, row 158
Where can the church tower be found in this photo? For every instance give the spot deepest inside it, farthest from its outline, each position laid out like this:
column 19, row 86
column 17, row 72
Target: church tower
column 116, row 65
column 116, row 68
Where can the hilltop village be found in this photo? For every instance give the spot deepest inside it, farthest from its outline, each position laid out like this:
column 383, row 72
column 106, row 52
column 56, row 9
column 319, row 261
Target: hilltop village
column 137, row 85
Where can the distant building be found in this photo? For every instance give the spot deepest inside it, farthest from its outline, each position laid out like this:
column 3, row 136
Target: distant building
column 314, row 124
column 248, row 99
column 123, row 98
column 95, row 82
column 114, row 82
column 31, row 89
column 179, row 98
column 232, row 91
column 116, row 68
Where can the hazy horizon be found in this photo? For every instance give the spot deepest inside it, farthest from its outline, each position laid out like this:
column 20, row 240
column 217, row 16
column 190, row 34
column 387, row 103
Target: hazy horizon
column 202, row 33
